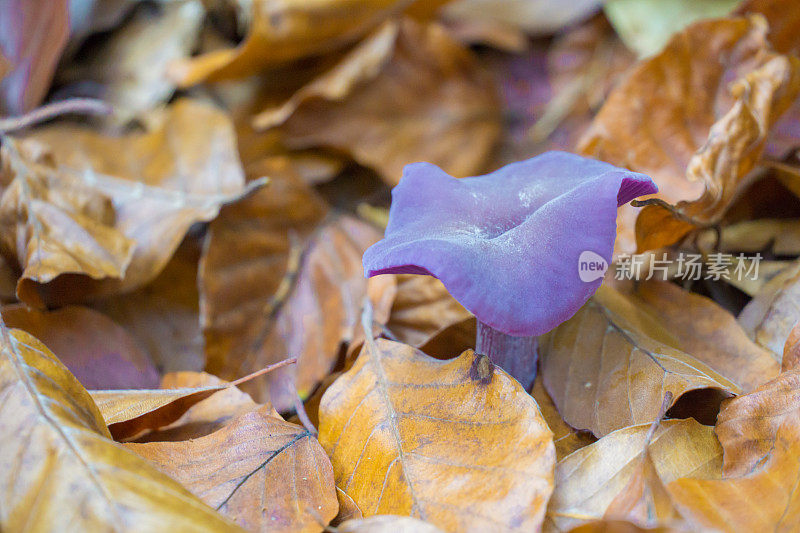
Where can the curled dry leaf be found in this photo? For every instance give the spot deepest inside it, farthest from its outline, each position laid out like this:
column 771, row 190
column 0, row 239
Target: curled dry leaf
column 260, row 471
column 50, row 429
column 206, row 416
column 430, row 436
column 97, row 351
column 286, row 31
column 729, row 504
column 791, row 350
column 387, row 524
column 34, row 36
column 427, row 100
column 127, row 68
column 268, row 274
column 708, row 332
column 783, row 23
column 723, row 76
column 610, row 365
column 590, row 480
column 748, row 425
column 129, row 412
column 161, row 182
column 566, row 438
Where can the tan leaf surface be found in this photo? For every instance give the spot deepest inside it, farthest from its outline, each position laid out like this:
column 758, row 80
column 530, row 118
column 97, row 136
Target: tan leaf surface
column 97, row 351
column 765, row 499
column 694, row 122
column 273, row 285
column 589, row 480
column 422, row 308
column 566, row 438
column 412, row 435
column 610, row 365
column 770, row 316
column 260, row 471
column 709, row 333
column 285, row 31
column 783, row 23
column 387, row 524
column 59, row 468
column 538, row 17
column 161, row 182
column 430, row 101
column 748, row 425
column 791, row 350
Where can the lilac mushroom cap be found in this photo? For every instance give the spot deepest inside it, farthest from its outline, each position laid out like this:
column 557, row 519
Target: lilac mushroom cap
column 507, row 245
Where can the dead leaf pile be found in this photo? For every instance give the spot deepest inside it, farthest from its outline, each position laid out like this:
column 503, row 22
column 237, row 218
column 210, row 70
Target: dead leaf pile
column 187, row 338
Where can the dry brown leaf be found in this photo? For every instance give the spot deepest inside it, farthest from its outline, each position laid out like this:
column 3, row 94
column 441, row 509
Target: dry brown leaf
column 127, row 68
column 428, row 101
column 161, row 182
column 96, row 350
column 617, row 526
column 566, row 438
column 422, row 309
column 60, row 470
column 260, row 471
column 695, row 117
column 164, row 315
column 412, row 435
column 780, row 237
column 35, row 33
column 770, row 316
column 129, row 412
column 783, row 23
column 274, row 285
column 709, row 333
column 206, row 416
column 590, row 479
column 387, row 524
column 748, row 425
column 286, row 31
column 610, row 365
column 765, row 499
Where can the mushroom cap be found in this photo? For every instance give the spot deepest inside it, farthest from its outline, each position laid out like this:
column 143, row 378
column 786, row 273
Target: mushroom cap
column 507, row 245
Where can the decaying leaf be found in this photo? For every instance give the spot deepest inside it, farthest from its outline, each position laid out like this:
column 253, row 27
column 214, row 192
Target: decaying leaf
column 285, row 31
column 260, row 471
column 783, row 23
column 566, row 438
column 128, row 67
column 61, row 470
column 695, row 118
column 589, row 480
column 766, row 499
column 748, row 425
column 439, row 461
column 427, row 101
column 34, row 34
column 791, row 350
column 161, row 182
column 610, row 365
column 708, row 332
column 274, row 285
column 129, row 412
column 205, row 416
column 96, row 350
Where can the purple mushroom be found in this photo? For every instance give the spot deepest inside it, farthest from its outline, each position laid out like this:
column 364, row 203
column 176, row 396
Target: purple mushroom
column 522, row 248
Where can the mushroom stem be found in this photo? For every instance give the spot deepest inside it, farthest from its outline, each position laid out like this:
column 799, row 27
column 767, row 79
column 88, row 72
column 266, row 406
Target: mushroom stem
column 515, row 355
